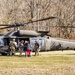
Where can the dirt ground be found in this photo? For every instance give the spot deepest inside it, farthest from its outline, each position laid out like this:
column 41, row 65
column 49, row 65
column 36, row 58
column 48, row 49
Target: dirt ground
column 38, row 71
column 19, row 71
column 23, row 71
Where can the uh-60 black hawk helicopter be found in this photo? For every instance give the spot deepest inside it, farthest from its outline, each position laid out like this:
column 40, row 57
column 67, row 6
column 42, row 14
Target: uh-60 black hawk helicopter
column 46, row 42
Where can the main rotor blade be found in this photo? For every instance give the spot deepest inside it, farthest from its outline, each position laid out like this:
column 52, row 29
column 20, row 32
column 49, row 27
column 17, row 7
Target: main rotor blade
column 18, row 24
column 6, row 27
column 45, row 19
column 4, row 24
column 32, row 21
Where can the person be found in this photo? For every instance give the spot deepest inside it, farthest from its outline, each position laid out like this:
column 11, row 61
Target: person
column 5, row 42
column 21, row 47
column 25, row 45
column 12, row 47
column 36, row 48
column 27, row 49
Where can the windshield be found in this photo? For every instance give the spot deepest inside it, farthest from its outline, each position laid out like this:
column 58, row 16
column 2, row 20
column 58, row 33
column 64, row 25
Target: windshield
column 1, row 41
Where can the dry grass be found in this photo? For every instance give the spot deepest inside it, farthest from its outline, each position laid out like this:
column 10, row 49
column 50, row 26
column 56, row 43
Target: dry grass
column 40, row 65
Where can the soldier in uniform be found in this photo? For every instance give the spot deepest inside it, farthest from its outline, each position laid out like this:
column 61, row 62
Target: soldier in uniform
column 36, row 48
column 12, row 46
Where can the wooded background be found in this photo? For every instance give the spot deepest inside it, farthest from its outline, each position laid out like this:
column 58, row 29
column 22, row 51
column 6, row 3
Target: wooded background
column 23, row 11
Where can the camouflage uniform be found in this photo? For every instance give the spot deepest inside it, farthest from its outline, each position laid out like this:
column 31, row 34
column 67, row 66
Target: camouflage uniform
column 12, row 46
column 36, row 48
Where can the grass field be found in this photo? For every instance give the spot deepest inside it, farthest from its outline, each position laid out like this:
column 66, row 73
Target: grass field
column 45, row 64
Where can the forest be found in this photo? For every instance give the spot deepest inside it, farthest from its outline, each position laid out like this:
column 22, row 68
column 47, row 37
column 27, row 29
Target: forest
column 23, row 11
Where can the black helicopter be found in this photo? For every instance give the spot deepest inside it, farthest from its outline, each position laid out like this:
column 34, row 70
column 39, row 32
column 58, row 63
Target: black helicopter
column 46, row 42
column 19, row 35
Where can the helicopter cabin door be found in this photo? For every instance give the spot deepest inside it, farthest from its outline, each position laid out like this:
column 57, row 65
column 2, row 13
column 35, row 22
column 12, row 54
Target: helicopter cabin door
column 6, row 41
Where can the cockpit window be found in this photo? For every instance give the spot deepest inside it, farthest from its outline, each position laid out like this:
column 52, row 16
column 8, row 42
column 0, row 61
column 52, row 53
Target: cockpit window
column 1, row 42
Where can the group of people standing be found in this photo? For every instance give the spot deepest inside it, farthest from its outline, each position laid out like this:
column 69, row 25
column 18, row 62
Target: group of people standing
column 24, row 46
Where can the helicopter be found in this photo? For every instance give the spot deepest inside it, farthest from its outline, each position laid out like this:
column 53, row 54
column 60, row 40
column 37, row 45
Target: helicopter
column 46, row 42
